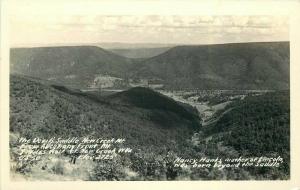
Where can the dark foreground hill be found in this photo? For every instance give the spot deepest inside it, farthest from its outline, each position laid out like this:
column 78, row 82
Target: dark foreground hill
column 45, row 110
column 224, row 66
column 149, row 99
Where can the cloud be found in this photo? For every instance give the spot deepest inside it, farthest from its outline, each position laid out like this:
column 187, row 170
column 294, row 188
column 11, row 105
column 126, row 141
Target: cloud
column 148, row 28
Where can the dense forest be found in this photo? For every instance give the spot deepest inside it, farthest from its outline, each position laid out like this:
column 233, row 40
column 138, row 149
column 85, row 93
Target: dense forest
column 158, row 131
column 257, row 125
column 43, row 110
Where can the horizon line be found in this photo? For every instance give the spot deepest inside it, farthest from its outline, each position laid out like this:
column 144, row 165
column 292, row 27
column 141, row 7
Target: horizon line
column 160, row 45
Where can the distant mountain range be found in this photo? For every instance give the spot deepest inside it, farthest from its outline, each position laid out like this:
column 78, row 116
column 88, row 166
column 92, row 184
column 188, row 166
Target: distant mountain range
column 120, row 45
column 140, row 52
column 105, row 45
column 259, row 65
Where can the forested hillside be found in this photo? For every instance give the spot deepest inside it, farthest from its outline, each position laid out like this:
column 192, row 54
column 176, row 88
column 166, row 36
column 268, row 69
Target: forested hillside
column 257, row 65
column 257, row 125
column 261, row 65
column 69, row 65
column 41, row 110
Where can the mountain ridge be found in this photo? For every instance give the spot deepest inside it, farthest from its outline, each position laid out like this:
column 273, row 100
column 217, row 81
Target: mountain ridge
column 77, row 65
column 256, row 65
column 220, row 65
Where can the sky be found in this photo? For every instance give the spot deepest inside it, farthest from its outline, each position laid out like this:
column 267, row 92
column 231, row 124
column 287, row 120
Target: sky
column 30, row 24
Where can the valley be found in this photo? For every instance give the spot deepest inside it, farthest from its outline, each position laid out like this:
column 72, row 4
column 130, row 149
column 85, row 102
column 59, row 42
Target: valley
column 187, row 101
column 209, row 103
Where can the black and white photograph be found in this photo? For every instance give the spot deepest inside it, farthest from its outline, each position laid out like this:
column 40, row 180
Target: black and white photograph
column 150, row 97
